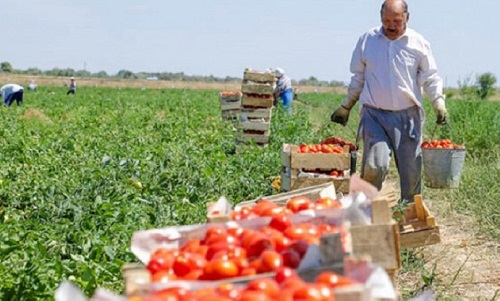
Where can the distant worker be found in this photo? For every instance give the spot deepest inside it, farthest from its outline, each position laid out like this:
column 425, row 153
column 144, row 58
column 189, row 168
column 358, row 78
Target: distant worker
column 11, row 92
column 283, row 90
column 32, row 86
column 72, row 87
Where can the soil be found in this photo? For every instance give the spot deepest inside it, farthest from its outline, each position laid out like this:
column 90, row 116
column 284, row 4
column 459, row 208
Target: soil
column 465, row 264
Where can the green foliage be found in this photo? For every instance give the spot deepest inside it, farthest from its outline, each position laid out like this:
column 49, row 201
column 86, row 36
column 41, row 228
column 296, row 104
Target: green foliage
column 486, row 83
column 69, row 199
column 483, row 88
column 6, row 67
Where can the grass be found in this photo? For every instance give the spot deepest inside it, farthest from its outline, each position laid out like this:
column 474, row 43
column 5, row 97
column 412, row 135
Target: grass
column 69, row 199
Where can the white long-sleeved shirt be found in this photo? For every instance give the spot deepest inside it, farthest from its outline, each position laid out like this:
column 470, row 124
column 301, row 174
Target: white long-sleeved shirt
column 8, row 89
column 284, row 83
column 391, row 74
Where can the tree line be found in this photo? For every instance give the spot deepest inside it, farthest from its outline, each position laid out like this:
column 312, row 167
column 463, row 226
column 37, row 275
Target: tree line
column 7, row 67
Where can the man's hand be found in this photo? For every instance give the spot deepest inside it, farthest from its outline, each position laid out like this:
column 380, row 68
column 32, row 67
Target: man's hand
column 441, row 112
column 340, row 115
column 442, row 116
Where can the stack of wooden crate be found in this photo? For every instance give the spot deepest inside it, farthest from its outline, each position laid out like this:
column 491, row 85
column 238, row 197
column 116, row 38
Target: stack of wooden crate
column 256, row 106
column 230, row 105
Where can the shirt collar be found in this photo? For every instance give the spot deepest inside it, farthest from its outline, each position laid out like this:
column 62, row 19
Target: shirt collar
column 380, row 33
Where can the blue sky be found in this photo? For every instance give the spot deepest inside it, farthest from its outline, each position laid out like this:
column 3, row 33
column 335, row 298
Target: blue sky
column 222, row 37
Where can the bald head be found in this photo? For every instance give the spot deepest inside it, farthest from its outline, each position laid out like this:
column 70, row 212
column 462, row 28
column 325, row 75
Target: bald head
column 399, row 6
column 394, row 15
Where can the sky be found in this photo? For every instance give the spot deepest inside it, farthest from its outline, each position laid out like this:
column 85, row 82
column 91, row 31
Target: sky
column 223, row 37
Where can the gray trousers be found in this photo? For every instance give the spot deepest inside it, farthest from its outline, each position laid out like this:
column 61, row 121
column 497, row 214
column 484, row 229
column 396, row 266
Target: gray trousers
column 398, row 132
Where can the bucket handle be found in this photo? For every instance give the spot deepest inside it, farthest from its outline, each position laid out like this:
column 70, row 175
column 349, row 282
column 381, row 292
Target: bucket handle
column 452, row 136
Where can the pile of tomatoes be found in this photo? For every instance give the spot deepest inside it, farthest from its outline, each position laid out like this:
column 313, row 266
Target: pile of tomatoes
column 320, row 148
column 286, row 285
column 230, row 93
column 339, row 141
column 294, row 205
column 444, row 143
column 236, row 251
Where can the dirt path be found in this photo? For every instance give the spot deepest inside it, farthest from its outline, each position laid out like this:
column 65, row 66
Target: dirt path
column 465, row 263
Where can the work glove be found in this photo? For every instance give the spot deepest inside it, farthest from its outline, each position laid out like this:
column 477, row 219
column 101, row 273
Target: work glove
column 440, row 110
column 341, row 114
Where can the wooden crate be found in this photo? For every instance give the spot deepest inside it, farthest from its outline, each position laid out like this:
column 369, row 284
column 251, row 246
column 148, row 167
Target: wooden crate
column 257, row 88
column 253, row 100
column 253, row 113
column 255, row 125
column 230, row 100
column 417, row 226
column 290, row 157
column 231, row 115
column 291, row 181
column 259, row 76
column 262, row 138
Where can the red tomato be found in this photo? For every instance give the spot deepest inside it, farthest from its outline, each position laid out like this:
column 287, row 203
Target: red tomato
column 271, row 261
column 185, row 263
column 262, row 206
column 291, row 258
column 228, row 290
column 329, row 202
column 298, row 203
column 258, row 244
column 220, row 247
column 333, row 279
column 300, row 246
column 279, row 242
column 161, row 260
column 220, row 269
column 266, row 285
column 308, row 293
column 284, row 274
column 280, row 222
column 254, row 296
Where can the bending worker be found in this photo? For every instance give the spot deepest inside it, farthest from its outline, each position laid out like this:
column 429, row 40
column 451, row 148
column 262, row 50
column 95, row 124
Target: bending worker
column 390, row 66
column 283, row 90
column 11, row 92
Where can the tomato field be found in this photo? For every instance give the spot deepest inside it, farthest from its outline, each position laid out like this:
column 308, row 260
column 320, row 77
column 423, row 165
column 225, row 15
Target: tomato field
column 79, row 174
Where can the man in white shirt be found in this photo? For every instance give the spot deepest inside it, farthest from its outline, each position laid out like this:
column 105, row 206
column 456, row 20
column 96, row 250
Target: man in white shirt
column 391, row 65
column 11, row 92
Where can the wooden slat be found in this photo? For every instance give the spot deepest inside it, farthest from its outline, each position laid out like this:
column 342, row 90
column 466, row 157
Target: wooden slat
column 256, row 88
column 255, row 125
column 381, row 212
column 247, row 100
column 257, row 138
column 419, row 207
column 232, row 105
column 259, row 76
column 380, row 242
column 421, row 238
